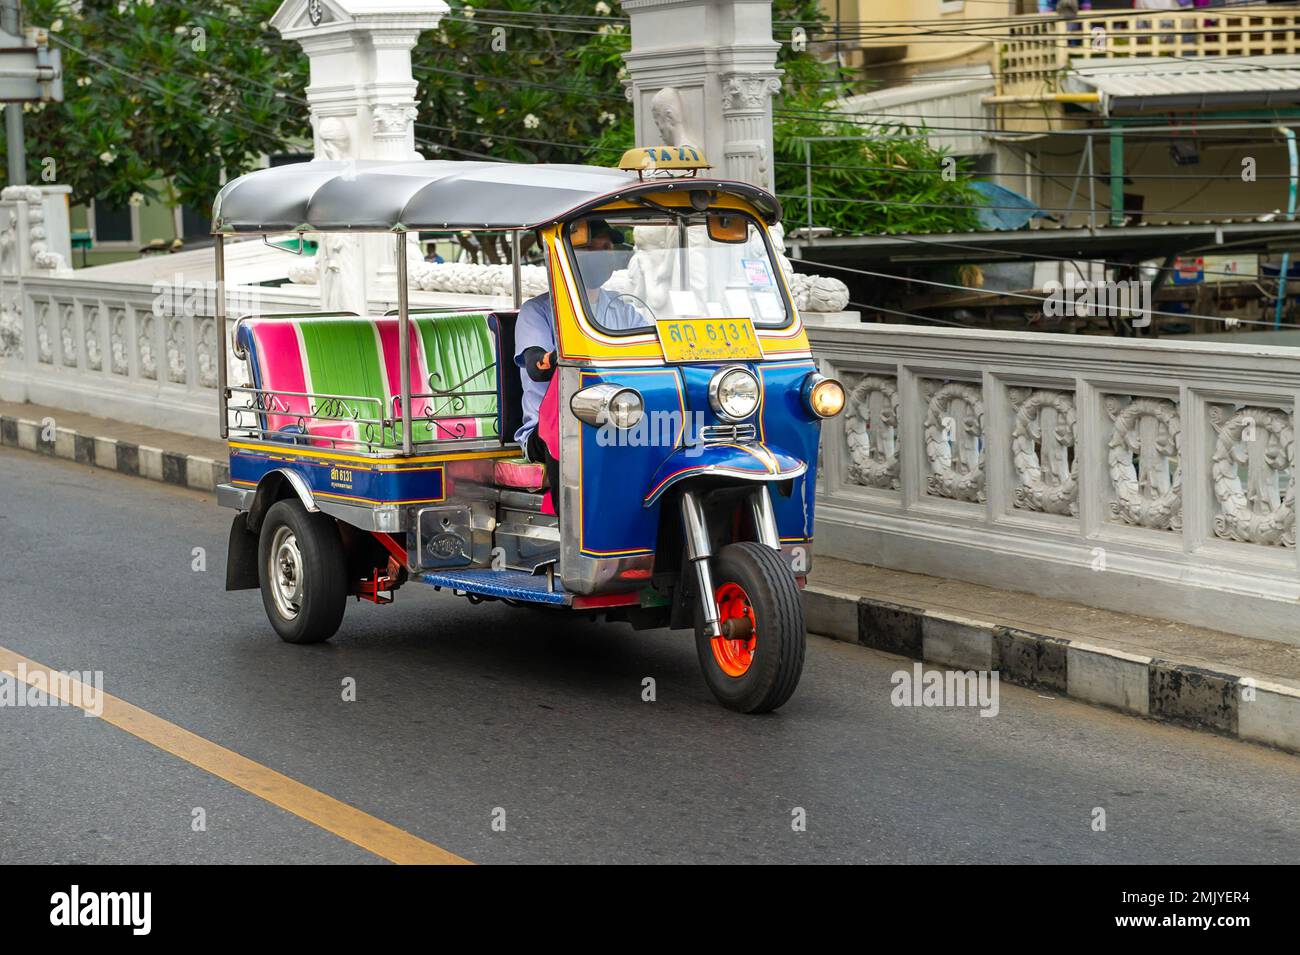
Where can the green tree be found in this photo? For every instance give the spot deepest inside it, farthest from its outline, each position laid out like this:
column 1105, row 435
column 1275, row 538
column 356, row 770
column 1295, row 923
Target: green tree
column 927, row 190
column 160, row 97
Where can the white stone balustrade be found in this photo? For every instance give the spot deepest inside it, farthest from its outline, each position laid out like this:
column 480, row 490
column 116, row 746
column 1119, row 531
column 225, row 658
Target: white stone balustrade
column 1153, row 477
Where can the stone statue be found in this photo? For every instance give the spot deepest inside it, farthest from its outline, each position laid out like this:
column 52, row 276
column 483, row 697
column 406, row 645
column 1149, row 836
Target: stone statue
column 669, row 113
column 341, row 264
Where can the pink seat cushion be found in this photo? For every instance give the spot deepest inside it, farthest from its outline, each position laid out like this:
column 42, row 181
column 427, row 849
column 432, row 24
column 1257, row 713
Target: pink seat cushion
column 519, row 473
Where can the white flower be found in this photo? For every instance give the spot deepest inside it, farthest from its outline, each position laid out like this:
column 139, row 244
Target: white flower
column 107, row 156
column 137, row 198
column 467, row 12
column 603, row 8
column 84, row 81
column 531, row 121
column 479, row 120
column 57, row 25
column 608, row 118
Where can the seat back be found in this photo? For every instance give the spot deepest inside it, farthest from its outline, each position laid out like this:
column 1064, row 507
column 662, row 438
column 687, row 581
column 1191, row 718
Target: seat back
column 510, row 388
column 459, row 352
column 357, row 359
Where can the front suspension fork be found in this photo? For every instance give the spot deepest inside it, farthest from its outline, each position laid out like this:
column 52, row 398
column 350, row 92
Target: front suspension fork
column 699, row 549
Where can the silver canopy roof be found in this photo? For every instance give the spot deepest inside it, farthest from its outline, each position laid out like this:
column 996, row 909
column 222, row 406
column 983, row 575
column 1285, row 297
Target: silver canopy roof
column 386, row 196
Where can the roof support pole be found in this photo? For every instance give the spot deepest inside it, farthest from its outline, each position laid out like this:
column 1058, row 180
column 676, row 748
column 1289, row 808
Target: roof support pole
column 404, row 340
column 219, row 318
column 516, row 268
column 1116, row 175
column 1289, row 133
column 1092, row 189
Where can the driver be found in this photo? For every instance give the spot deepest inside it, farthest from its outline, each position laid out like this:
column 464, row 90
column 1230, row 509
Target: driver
column 535, row 334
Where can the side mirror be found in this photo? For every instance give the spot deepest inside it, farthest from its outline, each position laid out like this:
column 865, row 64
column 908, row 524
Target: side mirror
column 579, row 234
column 728, row 227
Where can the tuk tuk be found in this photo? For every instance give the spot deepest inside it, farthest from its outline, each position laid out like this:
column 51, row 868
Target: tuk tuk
column 681, row 418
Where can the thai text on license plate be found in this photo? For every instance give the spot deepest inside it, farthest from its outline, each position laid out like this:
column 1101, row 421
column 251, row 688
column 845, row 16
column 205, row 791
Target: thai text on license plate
column 708, row 339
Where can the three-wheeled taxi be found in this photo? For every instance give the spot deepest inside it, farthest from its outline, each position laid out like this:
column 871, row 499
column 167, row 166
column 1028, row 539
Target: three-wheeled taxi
column 680, row 421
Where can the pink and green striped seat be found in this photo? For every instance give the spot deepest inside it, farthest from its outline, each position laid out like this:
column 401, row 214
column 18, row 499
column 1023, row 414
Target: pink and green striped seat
column 358, row 360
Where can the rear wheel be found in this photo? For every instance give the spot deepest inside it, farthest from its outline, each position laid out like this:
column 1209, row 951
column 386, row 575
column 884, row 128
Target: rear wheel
column 755, row 665
column 303, row 572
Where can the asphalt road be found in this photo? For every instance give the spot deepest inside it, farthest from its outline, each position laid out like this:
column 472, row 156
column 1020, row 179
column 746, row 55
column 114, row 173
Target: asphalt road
column 463, row 712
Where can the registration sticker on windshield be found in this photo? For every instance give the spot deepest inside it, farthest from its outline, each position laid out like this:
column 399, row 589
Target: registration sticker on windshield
column 708, row 339
column 757, row 272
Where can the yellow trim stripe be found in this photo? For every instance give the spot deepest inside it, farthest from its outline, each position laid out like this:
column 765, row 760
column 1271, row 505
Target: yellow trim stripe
column 344, row 497
column 347, row 822
column 395, row 463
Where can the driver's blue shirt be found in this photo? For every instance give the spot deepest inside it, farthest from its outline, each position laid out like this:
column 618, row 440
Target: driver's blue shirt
column 535, row 328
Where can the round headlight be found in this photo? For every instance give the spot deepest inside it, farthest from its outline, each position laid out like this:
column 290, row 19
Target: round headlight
column 825, row 396
column 608, row 403
column 733, row 393
column 625, row 409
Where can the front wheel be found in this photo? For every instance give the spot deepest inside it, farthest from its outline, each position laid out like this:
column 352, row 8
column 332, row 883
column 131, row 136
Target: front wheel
column 755, row 665
column 303, row 571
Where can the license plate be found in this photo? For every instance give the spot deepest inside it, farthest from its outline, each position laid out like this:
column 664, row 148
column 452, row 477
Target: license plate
column 708, row 339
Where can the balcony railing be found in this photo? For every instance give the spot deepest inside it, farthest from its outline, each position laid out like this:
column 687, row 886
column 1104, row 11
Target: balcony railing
column 1040, row 48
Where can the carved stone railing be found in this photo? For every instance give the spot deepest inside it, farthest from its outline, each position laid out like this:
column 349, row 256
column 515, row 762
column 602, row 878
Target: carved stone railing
column 139, row 352
column 1151, row 477
column 122, row 350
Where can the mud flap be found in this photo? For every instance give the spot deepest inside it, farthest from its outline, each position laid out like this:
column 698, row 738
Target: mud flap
column 241, row 556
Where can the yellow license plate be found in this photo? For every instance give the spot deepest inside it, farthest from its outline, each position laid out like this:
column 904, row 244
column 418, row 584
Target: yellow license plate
column 708, row 339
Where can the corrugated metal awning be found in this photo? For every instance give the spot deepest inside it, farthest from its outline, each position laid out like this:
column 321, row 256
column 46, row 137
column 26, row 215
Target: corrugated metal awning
column 945, row 103
column 1136, row 84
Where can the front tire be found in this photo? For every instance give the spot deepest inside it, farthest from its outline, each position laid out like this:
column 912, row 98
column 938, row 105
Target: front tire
column 303, row 573
column 754, row 587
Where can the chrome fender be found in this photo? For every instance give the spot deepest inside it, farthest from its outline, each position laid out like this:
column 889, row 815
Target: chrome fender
column 742, row 462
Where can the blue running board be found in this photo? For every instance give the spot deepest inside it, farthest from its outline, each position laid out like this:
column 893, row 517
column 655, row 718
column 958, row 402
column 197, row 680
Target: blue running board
column 510, row 584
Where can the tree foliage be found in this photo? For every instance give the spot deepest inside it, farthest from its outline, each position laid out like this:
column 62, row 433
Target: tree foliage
column 162, row 96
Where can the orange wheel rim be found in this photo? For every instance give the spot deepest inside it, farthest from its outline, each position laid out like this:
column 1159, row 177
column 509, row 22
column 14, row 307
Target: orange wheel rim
column 734, row 656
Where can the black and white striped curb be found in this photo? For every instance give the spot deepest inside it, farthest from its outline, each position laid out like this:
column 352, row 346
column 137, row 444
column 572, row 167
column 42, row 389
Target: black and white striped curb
column 125, row 457
column 1234, row 704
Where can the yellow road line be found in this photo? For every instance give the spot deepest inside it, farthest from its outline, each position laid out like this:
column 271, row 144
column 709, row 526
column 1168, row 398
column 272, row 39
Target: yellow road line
column 346, row 822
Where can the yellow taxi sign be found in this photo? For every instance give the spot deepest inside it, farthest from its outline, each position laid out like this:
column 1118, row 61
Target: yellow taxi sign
column 708, row 339
column 648, row 160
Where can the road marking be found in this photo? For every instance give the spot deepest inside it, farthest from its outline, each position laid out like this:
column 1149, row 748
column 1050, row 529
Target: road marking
column 346, row 822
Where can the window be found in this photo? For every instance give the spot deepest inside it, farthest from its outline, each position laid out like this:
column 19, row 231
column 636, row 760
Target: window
column 643, row 266
column 113, row 223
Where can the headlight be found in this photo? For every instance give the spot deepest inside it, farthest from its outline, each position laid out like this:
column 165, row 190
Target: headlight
column 823, row 396
column 608, row 404
column 733, row 393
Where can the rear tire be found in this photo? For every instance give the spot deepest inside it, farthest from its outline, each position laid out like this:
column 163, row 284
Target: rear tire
column 303, row 573
column 759, row 674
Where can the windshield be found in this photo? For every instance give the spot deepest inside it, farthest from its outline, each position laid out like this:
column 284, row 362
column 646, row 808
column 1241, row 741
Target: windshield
column 644, row 266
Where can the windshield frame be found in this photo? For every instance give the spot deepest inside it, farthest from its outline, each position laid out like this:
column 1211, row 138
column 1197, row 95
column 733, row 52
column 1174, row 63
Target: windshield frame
column 653, row 213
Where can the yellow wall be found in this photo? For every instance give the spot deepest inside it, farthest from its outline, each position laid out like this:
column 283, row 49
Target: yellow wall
column 886, row 37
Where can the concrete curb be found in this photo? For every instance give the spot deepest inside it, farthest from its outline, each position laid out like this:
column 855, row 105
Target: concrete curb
column 1232, row 704
column 125, row 457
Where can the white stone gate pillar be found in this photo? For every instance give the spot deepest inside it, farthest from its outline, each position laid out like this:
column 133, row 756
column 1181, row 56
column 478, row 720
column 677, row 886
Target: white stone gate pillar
column 362, row 95
column 720, row 59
